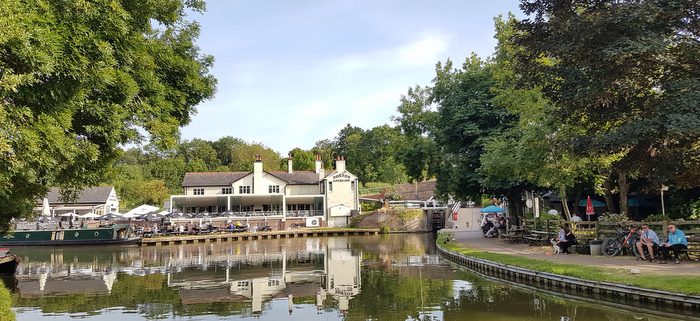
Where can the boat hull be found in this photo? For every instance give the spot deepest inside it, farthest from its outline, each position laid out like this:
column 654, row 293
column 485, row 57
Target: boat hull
column 129, row 241
column 114, row 235
column 8, row 264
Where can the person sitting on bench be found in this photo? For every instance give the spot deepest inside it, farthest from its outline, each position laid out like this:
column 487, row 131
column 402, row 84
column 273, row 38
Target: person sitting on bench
column 676, row 242
column 649, row 240
column 569, row 240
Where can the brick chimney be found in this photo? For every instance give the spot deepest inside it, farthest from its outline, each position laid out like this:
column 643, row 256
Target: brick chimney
column 340, row 164
column 319, row 167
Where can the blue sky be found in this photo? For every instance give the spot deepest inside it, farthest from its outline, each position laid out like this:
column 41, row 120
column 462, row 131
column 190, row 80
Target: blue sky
column 294, row 72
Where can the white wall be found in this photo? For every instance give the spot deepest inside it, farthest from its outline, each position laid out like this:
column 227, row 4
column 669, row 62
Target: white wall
column 303, row 189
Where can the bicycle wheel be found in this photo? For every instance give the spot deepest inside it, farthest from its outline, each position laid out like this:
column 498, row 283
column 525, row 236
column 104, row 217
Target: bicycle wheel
column 612, row 247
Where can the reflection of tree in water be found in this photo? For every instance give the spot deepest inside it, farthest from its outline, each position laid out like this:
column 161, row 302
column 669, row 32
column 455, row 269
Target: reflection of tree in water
column 389, row 296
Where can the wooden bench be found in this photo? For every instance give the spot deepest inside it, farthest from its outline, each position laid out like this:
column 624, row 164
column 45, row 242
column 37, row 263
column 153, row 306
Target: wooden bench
column 537, row 237
column 693, row 246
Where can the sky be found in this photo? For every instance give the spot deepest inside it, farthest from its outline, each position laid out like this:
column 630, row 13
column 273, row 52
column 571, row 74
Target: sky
column 291, row 73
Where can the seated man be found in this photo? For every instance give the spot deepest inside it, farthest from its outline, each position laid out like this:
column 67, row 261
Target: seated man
column 676, row 242
column 647, row 240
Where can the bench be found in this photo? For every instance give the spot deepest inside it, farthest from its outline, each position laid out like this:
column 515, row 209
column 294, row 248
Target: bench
column 537, row 237
column 693, row 246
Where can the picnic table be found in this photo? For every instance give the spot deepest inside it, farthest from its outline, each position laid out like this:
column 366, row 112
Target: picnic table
column 514, row 235
column 538, row 237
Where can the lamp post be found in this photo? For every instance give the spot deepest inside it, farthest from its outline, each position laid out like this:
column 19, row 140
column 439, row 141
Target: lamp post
column 663, row 208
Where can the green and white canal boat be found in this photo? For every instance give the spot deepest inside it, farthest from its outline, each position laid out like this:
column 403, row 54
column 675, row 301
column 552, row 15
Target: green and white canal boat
column 116, row 234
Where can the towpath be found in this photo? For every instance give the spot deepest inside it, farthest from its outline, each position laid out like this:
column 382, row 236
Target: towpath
column 475, row 240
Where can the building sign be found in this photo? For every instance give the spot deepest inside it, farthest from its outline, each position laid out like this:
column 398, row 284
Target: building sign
column 342, row 177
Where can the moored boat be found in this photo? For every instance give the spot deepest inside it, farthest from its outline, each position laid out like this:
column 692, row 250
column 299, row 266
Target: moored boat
column 114, row 234
column 8, row 262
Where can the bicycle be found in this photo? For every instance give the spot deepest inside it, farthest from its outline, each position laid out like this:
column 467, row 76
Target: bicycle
column 625, row 238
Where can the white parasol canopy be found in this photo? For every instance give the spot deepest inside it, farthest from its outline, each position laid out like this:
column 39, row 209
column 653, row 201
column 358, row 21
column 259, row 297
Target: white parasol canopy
column 140, row 210
column 69, row 215
column 45, row 208
column 90, row 215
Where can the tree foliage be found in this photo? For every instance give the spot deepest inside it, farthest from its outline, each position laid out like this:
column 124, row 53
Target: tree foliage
column 78, row 79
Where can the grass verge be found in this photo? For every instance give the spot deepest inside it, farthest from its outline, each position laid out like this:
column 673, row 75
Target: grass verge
column 673, row 283
column 6, row 313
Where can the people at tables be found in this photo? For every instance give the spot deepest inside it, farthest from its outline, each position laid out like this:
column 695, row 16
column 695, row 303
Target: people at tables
column 567, row 240
column 648, row 240
column 676, row 242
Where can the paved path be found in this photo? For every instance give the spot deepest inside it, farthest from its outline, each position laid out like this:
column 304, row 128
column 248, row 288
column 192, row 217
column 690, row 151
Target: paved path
column 476, row 241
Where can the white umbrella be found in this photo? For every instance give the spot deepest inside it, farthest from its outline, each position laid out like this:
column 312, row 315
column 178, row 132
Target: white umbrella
column 45, row 209
column 69, row 215
column 89, row 215
column 141, row 210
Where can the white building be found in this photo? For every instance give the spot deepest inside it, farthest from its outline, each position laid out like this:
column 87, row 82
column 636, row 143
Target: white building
column 317, row 198
column 99, row 200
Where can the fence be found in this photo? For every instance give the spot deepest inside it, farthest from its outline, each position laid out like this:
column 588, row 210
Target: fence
column 597, row 229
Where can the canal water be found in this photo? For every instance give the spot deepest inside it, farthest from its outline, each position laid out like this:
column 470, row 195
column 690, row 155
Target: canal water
column 383, row 277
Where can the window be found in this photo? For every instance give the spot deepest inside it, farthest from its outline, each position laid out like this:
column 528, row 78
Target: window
column 244, row 189
column 330, row 186
column 272, row 189
column 226, row 190
column 198, row 191
column 352, row 185
column 323, row 188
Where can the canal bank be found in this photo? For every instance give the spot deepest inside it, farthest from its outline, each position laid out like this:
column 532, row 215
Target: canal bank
column 252, row 236
column 664, row 290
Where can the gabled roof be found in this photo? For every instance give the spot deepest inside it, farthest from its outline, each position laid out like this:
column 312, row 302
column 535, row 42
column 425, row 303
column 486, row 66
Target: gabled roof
column 195, row 179
column 297, row 177
column 89, row 195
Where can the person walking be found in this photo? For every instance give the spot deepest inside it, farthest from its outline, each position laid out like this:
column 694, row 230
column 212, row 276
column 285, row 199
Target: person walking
column 676, row 242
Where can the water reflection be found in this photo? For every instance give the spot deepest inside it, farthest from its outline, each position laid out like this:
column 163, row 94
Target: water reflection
column 342, row 278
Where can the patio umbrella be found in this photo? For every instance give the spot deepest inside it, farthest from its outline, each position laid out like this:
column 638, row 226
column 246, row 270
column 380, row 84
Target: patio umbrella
column 176, row 215
column 589, row 207
column 202, row 215
column 151, row 217
column 492, row 209
column 596, row 203
column 69, row 215
column 109, row 217
column 45, row 208
column 89, row 215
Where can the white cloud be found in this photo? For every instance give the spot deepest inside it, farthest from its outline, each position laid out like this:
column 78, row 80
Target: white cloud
column 426, row 50
column 420, row 52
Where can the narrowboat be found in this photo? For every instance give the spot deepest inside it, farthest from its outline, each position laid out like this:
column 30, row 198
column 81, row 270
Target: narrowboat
column 8, row 262
column 116, row 234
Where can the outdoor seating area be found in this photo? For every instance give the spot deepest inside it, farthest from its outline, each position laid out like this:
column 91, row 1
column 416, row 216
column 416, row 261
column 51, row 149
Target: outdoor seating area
column 614, row 239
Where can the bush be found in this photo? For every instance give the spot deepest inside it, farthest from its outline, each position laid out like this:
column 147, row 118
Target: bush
column 384, row 229
column 613, row 218
column 370, row 206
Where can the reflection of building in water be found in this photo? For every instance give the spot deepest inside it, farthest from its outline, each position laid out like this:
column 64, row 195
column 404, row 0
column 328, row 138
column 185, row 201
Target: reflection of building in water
column 256, row 272
column 343, row 278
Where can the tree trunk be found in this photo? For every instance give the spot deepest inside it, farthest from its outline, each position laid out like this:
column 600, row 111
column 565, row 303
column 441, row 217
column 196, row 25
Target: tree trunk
column 577, row 199
column 624, row 189
column 608, row 187
column 564, row 202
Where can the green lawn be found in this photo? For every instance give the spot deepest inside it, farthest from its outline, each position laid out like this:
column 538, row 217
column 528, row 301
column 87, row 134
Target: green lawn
column 673, row 283
column 6, row 313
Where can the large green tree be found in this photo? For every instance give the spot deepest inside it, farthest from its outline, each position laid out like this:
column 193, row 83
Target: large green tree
column 627, row 72
column 79, row 78
column 467, row 118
